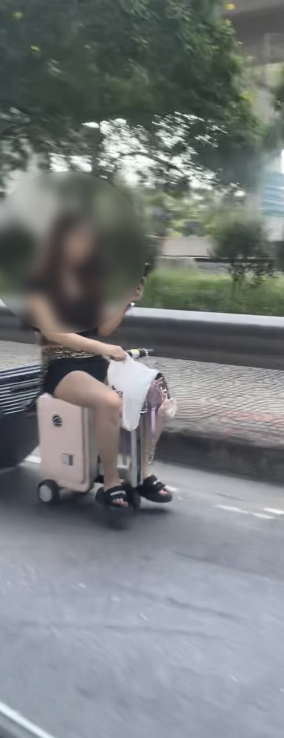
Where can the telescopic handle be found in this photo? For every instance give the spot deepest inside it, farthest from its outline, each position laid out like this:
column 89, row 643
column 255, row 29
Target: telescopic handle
column 140, row 353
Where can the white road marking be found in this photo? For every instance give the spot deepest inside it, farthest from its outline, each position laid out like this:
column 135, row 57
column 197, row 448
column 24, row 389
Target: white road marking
column 273, row 510
column 17, row 719
column 33, row 459
column 227, row 508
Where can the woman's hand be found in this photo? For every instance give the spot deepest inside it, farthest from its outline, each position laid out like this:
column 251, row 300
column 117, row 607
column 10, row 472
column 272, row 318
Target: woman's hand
column 138, row 294
column 114, row 352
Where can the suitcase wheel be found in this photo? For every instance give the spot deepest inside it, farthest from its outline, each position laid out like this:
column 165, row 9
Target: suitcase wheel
column 48, row 492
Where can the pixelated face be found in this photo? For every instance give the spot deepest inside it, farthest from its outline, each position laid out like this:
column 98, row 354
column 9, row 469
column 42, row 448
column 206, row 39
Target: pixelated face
column 78, row 245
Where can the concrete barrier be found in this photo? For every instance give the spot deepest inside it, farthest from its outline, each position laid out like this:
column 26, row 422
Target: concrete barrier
column 241, row 340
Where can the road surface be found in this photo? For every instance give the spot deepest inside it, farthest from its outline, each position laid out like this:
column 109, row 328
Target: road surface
column 175, row 625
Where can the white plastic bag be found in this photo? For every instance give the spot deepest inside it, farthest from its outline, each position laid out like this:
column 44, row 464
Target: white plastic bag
column 132, row 381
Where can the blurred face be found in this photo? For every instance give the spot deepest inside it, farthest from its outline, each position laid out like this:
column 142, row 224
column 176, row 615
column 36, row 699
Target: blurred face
column 78, row 246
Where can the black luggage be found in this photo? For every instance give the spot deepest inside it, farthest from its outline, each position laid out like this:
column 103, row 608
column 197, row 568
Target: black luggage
column 19, row 389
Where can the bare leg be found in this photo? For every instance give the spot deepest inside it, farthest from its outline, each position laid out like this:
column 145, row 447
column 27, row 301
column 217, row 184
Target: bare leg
column 79, row 388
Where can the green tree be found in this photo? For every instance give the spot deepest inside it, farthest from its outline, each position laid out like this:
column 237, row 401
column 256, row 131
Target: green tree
column 171, row 69
column 242, row 243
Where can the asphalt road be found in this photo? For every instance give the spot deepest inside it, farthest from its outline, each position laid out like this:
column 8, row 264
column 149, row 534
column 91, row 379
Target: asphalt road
column 175, row 625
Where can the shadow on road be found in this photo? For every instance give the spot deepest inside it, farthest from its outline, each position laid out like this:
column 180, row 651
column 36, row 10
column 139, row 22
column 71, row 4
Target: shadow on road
column 18, row 496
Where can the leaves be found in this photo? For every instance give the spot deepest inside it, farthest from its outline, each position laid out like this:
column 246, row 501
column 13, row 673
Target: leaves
column 243, row 243
column 170, row 68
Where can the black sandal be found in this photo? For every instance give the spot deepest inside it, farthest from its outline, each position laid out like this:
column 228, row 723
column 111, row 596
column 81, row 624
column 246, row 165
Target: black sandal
column 151, row 490
column 108, row 498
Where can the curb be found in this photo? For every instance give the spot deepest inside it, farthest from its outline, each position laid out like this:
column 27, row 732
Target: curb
column 222, row 455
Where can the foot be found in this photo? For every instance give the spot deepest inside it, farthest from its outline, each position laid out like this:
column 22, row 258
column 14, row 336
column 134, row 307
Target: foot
column 154, row 490
column 113, row 496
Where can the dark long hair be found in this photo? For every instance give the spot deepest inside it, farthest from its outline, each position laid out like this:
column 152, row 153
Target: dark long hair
column 91, row 274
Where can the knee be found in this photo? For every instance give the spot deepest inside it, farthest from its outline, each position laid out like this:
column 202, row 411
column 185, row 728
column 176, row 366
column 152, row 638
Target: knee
column 113, row 403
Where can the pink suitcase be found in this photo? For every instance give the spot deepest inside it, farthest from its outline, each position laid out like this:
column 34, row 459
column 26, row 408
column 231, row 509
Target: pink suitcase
column 67, row 444
column 69, row 457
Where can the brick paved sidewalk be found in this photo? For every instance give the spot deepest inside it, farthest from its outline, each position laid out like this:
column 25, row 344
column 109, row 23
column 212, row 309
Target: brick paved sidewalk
column 217, row 400
column 213, row 399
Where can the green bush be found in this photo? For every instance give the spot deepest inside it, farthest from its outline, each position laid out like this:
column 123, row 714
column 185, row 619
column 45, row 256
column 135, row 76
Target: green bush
column 178, row 290
column 243, row 243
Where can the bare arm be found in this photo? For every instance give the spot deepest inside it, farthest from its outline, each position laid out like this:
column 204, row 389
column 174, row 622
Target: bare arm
column 107, row 328
column 111, row 325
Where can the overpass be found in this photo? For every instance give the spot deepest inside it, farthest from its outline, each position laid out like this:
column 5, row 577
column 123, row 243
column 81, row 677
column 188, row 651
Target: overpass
column 259, row 25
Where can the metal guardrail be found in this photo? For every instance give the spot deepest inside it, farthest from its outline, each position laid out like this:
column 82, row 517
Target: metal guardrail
column 240, row 340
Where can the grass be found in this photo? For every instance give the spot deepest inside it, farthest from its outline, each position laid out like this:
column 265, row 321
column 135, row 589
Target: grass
column 182, row 290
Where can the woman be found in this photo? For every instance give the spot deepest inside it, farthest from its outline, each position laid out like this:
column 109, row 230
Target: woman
column 67, row 294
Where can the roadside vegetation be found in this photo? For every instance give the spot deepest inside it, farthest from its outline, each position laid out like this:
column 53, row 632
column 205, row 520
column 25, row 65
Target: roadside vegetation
column 185, row 290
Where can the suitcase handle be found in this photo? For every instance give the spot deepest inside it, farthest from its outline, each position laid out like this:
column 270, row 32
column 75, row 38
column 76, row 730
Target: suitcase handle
column 140, row 353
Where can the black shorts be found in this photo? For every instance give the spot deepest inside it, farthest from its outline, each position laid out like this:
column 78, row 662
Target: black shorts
column 96, row 366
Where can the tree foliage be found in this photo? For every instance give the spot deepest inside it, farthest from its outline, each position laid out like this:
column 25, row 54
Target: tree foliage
column 242, row 243
column 171, row 69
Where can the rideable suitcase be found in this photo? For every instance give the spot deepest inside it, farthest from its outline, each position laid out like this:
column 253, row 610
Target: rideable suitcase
column 69, row 457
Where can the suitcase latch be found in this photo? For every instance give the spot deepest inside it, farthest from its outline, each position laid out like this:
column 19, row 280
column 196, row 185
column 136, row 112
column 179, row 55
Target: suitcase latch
column 67, row 459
